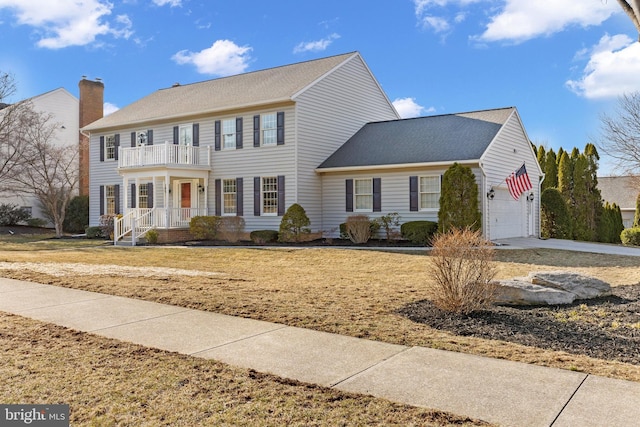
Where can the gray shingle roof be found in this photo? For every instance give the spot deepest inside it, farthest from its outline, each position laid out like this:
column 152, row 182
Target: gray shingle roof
column 249, row 89
column 621, row 190
column 445, row 138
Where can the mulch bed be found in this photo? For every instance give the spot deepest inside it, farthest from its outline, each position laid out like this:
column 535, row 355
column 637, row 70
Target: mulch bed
column 604, row 328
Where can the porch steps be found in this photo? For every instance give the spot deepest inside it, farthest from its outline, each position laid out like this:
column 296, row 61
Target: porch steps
column 127, row 241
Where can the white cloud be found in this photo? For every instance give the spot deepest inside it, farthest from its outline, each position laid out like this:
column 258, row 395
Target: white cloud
column 171, row 3
column 521, row 20
column 316, row 46
column 438, row 16
column 223, row 58
column 612, row 70
column 63, row 23
column 407, row 108
column 109, row 108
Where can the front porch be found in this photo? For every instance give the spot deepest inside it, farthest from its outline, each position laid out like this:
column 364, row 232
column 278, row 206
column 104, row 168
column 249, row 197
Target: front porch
column 160, row 194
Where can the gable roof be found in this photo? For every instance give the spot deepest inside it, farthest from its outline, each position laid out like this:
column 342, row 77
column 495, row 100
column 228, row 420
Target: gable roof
column 621, row 190
column 432, row 139
column 263, row 87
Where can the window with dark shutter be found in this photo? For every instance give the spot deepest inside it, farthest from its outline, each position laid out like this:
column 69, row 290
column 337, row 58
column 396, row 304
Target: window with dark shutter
column 239, row 204
column 280, row 128
column 239, row 133
column 133, row 195
column 150, row 195
column 349, row 195
column 281, row 195
column 256, row 131
column 218, row 188
column 196, row 135
column 217, row 132
column 256, row 196
column 101, row 197
column 413, row 193
column 377, row 195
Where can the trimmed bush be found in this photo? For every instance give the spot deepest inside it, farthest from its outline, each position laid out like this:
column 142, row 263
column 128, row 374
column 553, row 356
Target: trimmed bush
column 419, row 232
column 230, row 228
column 358, row 228
column 94, row 233
column 11, row 214
column 152, row 236
column 204, row 227
column 76, row 218
column 459, row 200
column 461, row 271
column 294, row 224
column 36, row 222
column 261, row 237
column 630, row 236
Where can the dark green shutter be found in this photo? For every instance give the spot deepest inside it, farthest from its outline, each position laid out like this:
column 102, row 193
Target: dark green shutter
column 102, row 151
column 217, row 135
column 218, row 188
column 280, row 127
column 117, row 147
column 377, row 196
column 176, row 134
column 196, row 135
column 349, row 195
column 413, row 194
column 133, row 195
column 150, row 195
column 239, row 203
column 256, row 131
column 256, row 196
column 133, row 139
column 281, row 207
column 101, row 199
column 150, row 137
column 116, row 194
column 239, row 133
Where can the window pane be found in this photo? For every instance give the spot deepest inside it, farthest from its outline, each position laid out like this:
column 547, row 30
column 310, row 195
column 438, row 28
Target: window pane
column 110, row 192
column 429, row 192
column 270, row 195
column 364, row 194
column 185, row 135
column 110, row 146
column 229, row 133
column 143, row 196
column 229, row 196
column 269, row 132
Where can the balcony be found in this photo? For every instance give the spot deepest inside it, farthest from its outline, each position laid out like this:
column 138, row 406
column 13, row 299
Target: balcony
column 164, row 155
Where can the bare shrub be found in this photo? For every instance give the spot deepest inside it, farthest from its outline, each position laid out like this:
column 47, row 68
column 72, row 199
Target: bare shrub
column 461, row 271
column 358, row 228
column 231, row 228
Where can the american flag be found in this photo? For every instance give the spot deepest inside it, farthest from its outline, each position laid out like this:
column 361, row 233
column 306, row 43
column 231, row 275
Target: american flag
column 518, row 182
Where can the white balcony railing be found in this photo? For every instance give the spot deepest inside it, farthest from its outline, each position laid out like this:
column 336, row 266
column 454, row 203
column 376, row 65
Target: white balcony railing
column 163, row 154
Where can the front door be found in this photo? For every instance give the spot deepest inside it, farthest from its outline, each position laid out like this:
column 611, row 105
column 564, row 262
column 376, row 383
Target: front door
column 185, row 202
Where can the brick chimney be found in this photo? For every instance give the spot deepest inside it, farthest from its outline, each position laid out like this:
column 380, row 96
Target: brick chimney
column 91, row 109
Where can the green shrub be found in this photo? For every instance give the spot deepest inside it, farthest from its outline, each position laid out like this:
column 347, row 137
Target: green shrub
column 204, row 227
column 12, row 214
column 459, row 200
column 554, row 215
column 630, row 236
column 94, row 233
column 419, row 232
column 261, row 237
column 76, row 218
column 294, row 224
column 38, row 222
column 152, row 236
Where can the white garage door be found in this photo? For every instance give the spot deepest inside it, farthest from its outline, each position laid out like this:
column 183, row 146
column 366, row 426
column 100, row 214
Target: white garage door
column 507, row 217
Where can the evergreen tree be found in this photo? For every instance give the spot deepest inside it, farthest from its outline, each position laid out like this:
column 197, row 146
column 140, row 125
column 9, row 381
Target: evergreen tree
column 595, row 207
column 554, row 215
column 550, row 171
column 565, row 179
column 541, row 155
column 618, row 225
column 459, row 200
column 579, row 206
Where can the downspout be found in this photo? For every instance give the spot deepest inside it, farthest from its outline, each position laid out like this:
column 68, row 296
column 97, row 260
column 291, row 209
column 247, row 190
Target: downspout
column 486, row 218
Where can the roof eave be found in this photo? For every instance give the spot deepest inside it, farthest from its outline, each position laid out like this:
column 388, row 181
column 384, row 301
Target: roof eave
column 395, row 166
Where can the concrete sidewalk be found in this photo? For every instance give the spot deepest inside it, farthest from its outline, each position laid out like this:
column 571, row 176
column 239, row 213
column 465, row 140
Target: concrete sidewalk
column 498, row 391
column 567, row 245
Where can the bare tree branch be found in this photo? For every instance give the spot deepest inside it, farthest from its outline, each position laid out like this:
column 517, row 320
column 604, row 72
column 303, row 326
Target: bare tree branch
column 632, row 9
column 620, row 134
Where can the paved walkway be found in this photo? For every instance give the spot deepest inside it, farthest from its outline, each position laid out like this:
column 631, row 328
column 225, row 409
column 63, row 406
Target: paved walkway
column 568, row 245
column 498, row 391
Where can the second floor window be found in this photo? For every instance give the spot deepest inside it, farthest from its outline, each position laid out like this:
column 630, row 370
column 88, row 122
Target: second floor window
column 110, row 147
column 186, row 135
column 269, row 129
column 229, row 133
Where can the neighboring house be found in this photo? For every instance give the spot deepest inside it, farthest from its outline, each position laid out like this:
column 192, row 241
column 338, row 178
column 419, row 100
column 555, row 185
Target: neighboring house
column 623, row 191
column 251, row 145
column 397, row 166
column 63, row 108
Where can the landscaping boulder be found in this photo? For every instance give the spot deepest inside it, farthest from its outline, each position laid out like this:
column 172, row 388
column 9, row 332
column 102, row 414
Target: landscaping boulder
column 550, row 288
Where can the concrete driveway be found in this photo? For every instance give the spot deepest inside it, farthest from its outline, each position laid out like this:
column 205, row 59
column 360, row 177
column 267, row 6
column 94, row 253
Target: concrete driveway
column 567, row 245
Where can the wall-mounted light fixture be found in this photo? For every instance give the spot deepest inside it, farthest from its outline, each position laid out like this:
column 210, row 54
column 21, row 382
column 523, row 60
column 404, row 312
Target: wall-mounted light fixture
column 200, row 188
column 491, row 194
column 530, row 197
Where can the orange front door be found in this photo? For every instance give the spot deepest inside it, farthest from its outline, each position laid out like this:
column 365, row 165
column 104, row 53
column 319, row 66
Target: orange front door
column 185, row 195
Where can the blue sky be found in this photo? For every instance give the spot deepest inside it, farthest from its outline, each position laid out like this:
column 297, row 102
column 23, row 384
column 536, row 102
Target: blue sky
column 562, row 63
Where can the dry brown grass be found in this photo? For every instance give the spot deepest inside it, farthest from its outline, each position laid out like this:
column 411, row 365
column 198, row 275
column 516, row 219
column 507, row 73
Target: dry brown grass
column 351, row 292
column 111, row 383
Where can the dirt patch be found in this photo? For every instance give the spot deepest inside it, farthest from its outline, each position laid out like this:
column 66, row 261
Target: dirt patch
column 604, row 328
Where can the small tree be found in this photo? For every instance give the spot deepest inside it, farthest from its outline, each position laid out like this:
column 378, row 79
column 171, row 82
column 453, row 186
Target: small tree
column 461, row 271
column 636, row 217
column 77, row 216
column 294, row 224
column 554, row 215
column 459, row 200
column 387, row 222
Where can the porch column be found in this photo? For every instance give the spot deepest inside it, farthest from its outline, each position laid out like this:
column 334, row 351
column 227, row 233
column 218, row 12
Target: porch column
column 167, row 200
column 125, row 194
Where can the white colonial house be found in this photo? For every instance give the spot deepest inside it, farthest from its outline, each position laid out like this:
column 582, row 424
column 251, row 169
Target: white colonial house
column 63, row 109
column 321, row 133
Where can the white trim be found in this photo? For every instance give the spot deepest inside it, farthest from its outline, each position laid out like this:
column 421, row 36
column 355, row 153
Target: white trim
column 396, row 166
